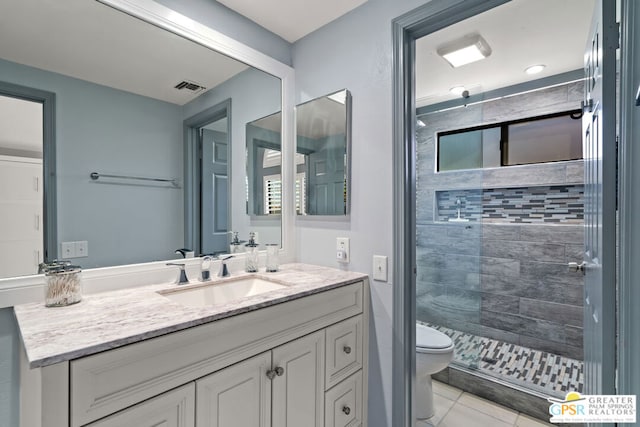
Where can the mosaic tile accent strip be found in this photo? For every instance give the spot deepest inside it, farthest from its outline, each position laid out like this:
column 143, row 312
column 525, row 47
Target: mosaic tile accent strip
column 562, row 204
column 546, row 372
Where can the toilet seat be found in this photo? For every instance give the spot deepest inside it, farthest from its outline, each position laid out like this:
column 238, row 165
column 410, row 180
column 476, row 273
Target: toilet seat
column 429, row 340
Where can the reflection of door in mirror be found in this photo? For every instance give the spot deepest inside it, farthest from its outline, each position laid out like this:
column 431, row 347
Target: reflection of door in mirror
column 21, row 200
column 214, row 192
column 325, row 184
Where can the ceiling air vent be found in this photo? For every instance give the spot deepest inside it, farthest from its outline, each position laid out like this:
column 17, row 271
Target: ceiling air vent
column 190, row 86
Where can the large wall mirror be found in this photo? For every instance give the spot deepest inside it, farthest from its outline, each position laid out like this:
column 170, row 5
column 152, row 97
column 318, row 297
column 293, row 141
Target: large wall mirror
column 322, row 159
column 158, row 119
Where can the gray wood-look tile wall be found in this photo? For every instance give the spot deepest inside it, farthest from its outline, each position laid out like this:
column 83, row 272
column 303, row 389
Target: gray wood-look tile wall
column 507, row 281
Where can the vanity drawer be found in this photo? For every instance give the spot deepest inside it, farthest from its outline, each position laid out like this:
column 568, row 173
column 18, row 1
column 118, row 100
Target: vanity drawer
column 344, row 350
column 343, row 403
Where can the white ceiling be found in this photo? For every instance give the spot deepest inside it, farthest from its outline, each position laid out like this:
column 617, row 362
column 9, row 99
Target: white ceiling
column 521, row 33
column 292, row 19
column 90, row 41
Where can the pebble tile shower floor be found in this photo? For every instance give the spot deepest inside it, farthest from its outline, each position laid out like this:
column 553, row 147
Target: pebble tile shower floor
column 545, row 372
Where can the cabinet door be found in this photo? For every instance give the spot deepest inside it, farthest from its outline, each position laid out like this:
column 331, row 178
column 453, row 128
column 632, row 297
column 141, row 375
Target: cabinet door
column 171, row 409
column 237, row 396
column 298, row 388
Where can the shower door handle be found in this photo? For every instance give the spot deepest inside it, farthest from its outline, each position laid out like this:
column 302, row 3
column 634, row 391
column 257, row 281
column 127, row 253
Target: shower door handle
column 575, row 267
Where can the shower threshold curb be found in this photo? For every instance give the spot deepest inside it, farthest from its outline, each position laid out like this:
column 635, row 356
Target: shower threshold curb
column 518, row 398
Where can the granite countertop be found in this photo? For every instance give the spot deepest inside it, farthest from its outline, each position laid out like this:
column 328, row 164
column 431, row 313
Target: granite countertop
column 113, row 319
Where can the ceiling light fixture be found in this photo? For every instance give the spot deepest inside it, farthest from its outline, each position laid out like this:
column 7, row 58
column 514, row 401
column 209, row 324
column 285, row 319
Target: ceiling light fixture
column 457, row 90
column 535, row 69
column 470, row 48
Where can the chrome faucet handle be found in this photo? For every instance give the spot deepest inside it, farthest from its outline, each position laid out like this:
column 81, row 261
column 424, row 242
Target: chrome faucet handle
column 205, row 275
column 224, row 271
column 182, row 279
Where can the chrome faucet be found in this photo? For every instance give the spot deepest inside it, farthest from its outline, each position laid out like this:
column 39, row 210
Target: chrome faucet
column 205, row 275
column 224, row 271
column 182, row 279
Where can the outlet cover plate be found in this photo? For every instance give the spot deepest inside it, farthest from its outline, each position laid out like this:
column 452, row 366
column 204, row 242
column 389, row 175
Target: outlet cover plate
column 342, row 250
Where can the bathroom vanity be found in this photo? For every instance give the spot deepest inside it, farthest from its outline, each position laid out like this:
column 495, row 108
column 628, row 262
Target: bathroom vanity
column 292, row 355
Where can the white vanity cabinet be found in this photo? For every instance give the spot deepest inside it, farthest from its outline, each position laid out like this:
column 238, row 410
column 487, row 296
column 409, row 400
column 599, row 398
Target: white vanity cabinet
column 301, row 362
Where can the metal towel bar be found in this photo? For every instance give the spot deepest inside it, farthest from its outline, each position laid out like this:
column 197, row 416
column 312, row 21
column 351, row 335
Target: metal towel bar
column 95, row 176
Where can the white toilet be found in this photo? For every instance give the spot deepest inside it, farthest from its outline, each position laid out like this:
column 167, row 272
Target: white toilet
column 434, row 351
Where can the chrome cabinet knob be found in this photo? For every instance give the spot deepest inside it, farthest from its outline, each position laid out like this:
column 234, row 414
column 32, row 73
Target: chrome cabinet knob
column 347, row 349
column 271, row 374
column 279, row 371
column 346, row 410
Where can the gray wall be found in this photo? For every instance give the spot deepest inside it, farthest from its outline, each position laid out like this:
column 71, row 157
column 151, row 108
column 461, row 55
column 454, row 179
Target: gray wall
column 499, row 277
column 355, row 52
column 219, row 17
column 110, row 131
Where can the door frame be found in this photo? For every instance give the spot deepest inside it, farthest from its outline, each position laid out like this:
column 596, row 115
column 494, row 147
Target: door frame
column 628, row 316
column 193, row 170
column 49, row 176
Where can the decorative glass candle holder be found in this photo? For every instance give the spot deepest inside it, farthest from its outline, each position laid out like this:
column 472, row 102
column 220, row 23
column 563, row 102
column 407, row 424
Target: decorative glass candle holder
column 63, row 283
column 273, row 262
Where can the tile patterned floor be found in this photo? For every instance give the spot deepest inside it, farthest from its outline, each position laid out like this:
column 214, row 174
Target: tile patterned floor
column 545, row 372
column 455, row 408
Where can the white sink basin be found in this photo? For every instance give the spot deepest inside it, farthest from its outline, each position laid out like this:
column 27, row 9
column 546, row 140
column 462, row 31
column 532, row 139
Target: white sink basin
column 221, row 293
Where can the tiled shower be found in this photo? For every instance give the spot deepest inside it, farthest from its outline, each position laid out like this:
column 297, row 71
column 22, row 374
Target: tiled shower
column 492, row 251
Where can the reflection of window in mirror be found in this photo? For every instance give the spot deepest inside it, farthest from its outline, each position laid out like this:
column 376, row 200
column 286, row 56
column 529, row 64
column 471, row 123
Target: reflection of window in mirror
column 272, row 184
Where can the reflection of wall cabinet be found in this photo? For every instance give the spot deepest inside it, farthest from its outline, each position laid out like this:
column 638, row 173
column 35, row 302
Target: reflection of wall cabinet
column 299, row 363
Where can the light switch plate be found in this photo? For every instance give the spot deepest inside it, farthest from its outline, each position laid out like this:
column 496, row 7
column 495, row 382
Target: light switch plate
column 380, row 268
column 342, row 250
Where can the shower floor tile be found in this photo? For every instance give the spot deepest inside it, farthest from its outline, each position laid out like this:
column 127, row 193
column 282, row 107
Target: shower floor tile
column 545, row 372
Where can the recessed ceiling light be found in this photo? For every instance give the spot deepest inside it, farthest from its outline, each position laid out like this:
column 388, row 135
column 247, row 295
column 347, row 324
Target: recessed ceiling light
column 457, row 90
column 466, row 50
column 535, row 69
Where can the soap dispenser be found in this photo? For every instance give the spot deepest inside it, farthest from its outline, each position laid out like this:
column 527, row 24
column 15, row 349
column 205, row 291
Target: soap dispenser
column 235, row 246
column 251, row 256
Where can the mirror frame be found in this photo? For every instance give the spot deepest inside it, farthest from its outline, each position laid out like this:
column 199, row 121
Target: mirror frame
column 167, row 19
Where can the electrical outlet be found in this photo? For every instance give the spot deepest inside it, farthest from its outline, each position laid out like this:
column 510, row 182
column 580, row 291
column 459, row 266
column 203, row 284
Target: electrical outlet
column 82, row 249
column 380, row 268
column 342, row 250
column 68, row 250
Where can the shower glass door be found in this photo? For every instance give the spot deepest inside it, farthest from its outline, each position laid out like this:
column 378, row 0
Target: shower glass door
column 500, row 206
